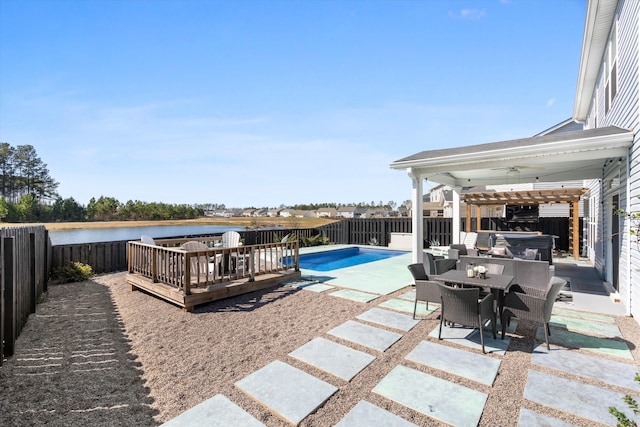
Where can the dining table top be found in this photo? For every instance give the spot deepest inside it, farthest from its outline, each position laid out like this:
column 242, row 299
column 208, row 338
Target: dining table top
column 500, row 282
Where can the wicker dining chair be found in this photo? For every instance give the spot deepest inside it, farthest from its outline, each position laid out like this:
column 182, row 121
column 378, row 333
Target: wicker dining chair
column 426, row 290
column 461, row 306
column 532, row 304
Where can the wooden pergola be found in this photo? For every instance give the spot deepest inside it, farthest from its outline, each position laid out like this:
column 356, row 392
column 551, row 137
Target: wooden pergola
column 530, row 197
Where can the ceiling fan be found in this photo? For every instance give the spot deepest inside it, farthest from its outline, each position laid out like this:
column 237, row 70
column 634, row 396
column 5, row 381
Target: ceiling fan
column 517, row 169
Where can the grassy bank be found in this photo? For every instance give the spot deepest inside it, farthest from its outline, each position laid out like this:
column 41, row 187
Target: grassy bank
column 235, row 222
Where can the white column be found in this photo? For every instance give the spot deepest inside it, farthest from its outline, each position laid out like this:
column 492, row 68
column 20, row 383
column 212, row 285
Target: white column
column 417, row 224
column 455, row 226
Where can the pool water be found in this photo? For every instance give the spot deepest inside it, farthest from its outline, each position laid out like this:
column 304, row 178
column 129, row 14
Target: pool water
column 333, row 260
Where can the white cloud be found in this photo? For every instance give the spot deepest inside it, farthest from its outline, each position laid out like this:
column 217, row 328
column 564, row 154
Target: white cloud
column 550, row 102
column 468, row 14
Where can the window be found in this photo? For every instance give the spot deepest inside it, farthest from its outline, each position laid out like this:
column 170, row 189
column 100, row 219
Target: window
column 611, row 69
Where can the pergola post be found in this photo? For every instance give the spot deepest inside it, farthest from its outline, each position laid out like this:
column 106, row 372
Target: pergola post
column 455, row 227
column 575, row 223
column 478, row 218
column 467, row 222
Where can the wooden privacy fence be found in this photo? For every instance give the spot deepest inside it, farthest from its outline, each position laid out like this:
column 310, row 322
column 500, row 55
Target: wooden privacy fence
column 103, row 257
column 24, row 274
column 106, row 257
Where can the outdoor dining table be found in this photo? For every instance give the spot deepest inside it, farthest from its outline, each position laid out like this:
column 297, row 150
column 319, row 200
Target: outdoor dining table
column 498, row 283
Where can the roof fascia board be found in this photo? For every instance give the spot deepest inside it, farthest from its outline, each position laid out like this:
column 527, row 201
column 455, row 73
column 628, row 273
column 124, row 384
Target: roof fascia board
column 599, row 143
column 598, row 22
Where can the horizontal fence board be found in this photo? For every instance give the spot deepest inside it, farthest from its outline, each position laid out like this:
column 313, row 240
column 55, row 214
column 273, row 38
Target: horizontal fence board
column 106, row 257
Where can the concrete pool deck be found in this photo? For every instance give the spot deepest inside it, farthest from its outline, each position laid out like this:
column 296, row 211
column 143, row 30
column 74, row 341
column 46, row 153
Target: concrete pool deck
column 578, row 324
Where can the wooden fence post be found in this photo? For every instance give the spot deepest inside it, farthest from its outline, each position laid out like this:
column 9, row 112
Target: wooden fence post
column 1, row 310
column 47, row 266
column 9, row 296
column 32, row 272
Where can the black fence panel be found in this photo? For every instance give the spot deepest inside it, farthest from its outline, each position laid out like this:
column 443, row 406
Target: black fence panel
column 23, row 278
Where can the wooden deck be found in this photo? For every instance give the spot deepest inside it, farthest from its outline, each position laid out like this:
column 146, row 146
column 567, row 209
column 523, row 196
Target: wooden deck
column 211, row 292
column 191, row 277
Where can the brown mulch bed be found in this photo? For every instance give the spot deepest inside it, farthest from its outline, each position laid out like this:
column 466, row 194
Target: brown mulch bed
column 96, row 353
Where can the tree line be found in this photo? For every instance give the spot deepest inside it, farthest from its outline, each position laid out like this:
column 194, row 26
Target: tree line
column 28, row 194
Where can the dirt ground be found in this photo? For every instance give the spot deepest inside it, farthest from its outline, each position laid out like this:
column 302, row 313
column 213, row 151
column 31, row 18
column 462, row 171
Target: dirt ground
column 98, row 354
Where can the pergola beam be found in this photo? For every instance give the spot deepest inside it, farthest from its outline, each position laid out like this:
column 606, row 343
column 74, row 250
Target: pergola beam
column 530, row 197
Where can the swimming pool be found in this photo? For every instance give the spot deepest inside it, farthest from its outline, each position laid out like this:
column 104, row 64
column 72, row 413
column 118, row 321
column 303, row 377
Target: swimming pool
column 341, row 258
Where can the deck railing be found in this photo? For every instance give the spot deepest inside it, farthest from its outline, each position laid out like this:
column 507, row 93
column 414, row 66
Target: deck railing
column 168, row 263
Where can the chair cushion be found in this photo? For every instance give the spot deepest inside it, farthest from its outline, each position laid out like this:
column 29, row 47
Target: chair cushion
column 500, row 252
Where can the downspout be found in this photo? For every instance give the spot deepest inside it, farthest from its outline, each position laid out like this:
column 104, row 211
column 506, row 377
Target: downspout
column 627, row 237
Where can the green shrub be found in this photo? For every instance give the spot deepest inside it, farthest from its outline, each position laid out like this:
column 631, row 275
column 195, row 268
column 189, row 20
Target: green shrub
column 72, row 272
column 621, row 417
column 317, row 240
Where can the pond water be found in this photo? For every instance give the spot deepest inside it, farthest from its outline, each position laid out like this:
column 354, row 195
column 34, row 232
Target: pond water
column 64, row 237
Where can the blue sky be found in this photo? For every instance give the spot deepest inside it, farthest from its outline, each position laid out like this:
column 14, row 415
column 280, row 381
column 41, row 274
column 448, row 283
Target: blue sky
column 267, row 103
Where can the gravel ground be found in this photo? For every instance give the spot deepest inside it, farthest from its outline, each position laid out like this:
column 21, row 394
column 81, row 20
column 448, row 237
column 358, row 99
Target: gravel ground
column 98, row 354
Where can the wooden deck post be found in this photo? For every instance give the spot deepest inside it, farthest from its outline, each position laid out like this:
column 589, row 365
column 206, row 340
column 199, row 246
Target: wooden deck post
column 252, row 266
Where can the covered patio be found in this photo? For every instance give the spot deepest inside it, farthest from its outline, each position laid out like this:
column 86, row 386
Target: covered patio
column 551, row 158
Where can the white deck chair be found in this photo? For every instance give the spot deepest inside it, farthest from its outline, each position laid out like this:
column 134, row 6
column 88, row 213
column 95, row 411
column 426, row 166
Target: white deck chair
column 230, row 239
column 470, row 240
column 201, row 266
column 147, row 240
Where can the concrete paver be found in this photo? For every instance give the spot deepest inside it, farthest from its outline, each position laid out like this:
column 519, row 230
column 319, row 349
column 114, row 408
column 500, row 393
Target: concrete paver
column 473, row 366
column 530, row 418
column 584, row 400
column 389, row 318
column 366, row 414
column 352, row 295
column 368, row 336
column 432, row 396
column 336, row 359
column 286, row 391
column 217, row 411
column 605, row 370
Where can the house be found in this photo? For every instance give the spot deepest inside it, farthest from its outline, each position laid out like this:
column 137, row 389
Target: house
column 602, row 155
column 403, row 211
column 327, row 213
column 376, row 212
column 432, row 209
column 287, row 213
column 272, row 213
column 260, row 212
column 349, row 212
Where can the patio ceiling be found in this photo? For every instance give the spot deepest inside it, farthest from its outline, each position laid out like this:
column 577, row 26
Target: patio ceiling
column 563, row 156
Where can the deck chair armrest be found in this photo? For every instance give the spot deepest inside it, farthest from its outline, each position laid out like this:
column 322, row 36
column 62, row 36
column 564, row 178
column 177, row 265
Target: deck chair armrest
column 528, row 290
column 519, row 304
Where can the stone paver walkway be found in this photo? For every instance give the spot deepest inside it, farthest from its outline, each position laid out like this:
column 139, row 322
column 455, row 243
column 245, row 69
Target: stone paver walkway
column 459, row 354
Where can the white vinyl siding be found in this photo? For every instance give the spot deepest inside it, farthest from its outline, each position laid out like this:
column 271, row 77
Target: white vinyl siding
column 616, row 102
